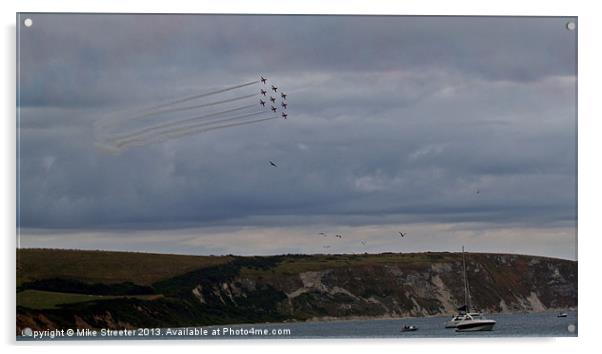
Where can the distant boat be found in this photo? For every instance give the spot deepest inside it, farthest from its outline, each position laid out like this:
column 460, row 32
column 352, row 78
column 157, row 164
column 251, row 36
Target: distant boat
column 409, row 328
column 562, row 314
column 465, row 320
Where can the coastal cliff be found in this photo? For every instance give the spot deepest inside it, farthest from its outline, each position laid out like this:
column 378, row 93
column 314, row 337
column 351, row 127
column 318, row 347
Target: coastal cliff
column 93, row 289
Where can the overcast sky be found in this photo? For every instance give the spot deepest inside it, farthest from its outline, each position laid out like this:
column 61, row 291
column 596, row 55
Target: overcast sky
column 394, row 125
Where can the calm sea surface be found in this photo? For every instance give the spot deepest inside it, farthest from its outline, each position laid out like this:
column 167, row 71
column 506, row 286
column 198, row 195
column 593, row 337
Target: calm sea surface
column 544, row 324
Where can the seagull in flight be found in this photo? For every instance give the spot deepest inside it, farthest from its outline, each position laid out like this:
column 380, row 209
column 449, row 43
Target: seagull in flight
column 273, row 164
column 402, row 234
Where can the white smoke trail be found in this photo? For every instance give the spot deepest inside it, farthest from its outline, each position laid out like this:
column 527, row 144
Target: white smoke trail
column 141, row 136
column 179, row 122
column 107, row 130
column 194, row 97
column 176, row 133
column 107, row 123
column 187, row 108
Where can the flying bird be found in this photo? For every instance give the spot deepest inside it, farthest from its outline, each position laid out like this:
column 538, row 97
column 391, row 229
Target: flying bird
column 272, row 99
column 263, row 92
column 262, row 102
column 273, row 164
column 273, row 109
column 284, row 115
column 364, row 243
column 263, row 79
column 402, row 234
column 274, row 88
column 284, row 104
column 283, row 95
column 339, row 236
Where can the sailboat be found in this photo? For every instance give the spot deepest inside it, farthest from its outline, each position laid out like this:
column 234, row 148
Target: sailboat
column 466, row 320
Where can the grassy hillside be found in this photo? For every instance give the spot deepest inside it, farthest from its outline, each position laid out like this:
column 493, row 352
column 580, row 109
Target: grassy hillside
column 109, row 267
column 36, row 299
column 106, row 267
column 67, row 288
column 319, row 262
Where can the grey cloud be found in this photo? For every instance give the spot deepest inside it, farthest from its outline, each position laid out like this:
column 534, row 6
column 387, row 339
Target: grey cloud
column 113, row 57
column 391, row 119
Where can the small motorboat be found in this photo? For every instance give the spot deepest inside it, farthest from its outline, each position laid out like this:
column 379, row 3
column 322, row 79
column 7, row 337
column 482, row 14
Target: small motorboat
column 473, row 324
column 563, row 314
column 409, row 328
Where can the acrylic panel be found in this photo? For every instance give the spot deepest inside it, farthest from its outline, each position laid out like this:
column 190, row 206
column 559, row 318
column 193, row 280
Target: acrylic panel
column 188, row 176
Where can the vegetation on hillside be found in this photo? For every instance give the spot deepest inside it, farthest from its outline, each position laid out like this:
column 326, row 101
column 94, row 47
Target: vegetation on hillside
column 70, row 288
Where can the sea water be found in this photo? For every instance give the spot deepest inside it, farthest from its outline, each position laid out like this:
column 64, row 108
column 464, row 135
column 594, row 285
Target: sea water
column 542, row 324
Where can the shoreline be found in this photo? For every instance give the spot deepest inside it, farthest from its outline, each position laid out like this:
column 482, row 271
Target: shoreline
column 369, row 318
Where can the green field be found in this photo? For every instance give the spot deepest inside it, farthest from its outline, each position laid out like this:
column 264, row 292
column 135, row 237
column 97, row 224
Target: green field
column 36, row 299
column 319, row 262
column 106, row 267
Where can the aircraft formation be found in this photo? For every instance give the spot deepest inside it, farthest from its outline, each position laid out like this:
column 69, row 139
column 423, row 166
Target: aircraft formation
column 272, row 98
column 227, row 107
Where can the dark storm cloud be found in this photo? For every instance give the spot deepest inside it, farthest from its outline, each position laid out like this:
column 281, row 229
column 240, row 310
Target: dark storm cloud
column 83, row 60
column 391, row 118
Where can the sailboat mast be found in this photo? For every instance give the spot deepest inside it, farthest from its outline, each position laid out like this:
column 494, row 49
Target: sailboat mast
column 466, row 289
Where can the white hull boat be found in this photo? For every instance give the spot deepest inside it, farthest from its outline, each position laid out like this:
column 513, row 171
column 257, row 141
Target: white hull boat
column 474, row 325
